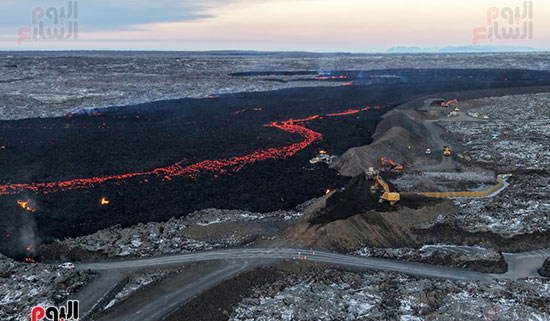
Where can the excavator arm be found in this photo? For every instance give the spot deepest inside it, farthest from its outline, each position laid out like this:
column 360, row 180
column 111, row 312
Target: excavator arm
column 393, row 198
column 384, row 185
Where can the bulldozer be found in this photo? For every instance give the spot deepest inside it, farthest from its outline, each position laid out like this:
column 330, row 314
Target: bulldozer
column 446, row 151
column 387, row 196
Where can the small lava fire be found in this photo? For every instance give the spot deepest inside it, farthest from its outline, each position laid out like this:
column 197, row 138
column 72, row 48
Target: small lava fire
column 104, row 201
column 30, row 260
column 26, row 206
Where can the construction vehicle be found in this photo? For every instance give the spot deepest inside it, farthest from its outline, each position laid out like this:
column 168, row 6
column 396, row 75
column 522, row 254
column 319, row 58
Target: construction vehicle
column 390, row 166
column 371, row 174
column 447, row 104
column 387, row 196
column 323, row 158
column 446, row 151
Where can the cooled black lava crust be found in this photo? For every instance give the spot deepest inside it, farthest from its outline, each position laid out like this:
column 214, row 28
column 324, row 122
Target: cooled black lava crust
column 148, row 136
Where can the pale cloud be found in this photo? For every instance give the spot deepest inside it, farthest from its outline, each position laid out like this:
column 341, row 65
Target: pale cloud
column 317, row 25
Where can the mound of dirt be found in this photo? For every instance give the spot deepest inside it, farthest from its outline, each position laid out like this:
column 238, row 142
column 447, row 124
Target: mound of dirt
column 377, row 229
column 353, row 218
column 393, row 136
column 357, row 198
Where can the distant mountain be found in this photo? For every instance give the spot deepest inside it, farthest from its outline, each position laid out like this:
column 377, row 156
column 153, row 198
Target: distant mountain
column 458, row 49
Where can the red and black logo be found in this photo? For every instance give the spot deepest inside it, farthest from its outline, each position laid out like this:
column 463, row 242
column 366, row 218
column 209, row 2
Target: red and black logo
column 68, row 313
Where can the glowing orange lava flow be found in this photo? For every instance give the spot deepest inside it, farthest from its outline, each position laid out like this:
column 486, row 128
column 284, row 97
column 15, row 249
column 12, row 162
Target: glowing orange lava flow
column 218, row 166
column 329, row 77
column 26, row 206
column 347, row 112
column 221, row 166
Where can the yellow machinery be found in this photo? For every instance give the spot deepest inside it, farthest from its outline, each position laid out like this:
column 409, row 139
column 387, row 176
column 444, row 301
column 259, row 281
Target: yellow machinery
column 388, row 196
column 446, row 151
column 501, row 179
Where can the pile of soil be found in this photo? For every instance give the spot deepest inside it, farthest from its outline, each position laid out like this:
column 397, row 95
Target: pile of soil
column 353, row 218
column 394, row 135
column 356, row 198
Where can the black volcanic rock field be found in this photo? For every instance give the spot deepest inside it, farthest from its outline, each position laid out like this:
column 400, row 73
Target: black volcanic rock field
column 122, row 142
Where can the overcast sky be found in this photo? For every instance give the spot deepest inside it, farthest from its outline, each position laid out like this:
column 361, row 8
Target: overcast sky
column 310, row 25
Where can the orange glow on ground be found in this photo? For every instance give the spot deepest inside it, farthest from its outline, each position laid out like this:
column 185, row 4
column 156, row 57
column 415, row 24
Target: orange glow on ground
column 215, row 167
column 347, row 112
column 25, row 205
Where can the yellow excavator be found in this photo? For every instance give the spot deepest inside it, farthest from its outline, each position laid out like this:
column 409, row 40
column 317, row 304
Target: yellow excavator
column 387, row 196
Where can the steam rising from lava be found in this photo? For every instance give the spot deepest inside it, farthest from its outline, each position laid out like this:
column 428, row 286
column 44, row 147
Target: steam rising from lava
column 23, row 237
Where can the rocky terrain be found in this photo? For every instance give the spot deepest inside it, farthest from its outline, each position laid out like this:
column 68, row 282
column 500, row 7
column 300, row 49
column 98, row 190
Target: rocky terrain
column 492, row 135
column 545, row 269
column 514, row 139
column 512, row 135
column 330, row 294
column 23, row 286
column 475, row 259
column 51, row 84
column 197, row 232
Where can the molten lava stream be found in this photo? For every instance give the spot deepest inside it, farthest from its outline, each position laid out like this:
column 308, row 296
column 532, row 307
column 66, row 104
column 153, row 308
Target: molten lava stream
column 218, row 166
column 221, row 166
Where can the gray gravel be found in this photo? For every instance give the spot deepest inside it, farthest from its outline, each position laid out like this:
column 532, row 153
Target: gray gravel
column 23, row 286
column 338, row 295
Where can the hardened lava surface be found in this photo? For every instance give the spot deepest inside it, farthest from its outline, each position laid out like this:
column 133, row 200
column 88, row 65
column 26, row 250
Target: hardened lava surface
column 73, row 175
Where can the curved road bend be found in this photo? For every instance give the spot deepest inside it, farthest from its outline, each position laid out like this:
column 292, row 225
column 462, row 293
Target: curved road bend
column 252, row 254
column 165, row 299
